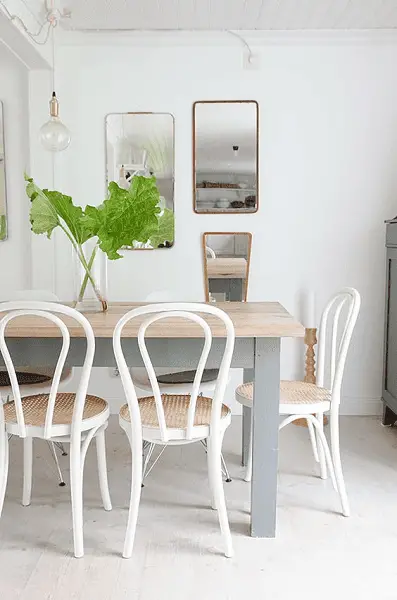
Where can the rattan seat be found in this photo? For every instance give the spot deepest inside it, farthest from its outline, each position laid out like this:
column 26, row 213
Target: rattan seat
column 35, row 407
column 291, row 392
column 176, row 408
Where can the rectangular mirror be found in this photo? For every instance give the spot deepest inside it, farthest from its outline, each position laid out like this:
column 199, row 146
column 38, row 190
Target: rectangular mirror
column 226, row 266
column 225, row 156
column 3, row 199
column 143, row 144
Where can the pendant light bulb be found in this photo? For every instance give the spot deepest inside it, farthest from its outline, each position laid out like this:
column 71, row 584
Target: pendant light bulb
column 235, row 150
column 54, row 135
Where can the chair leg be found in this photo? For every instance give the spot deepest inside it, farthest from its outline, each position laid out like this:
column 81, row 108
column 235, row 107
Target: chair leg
column 322, row 461
column 323, row 444
column 51, row 446
column 335, row 449
column 76, row 491
column 102, row 470
column 210, row 475
column 248, row 471
column 27, row 470
column 215, row 470
column 4, row 473
column 312, row 435
column 136, row 483
column 225, row 470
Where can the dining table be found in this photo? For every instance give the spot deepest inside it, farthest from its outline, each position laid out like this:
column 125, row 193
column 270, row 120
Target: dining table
column 175, row 342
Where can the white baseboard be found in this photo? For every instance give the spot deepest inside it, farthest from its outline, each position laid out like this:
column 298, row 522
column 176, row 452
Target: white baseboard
column 361, row 406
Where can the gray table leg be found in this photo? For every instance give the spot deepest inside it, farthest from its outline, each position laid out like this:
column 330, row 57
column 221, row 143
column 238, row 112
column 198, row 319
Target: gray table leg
column 235, row 290
column 248, row 376
column 265, row 437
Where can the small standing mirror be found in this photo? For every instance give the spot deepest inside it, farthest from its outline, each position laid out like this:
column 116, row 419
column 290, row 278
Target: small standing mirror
column 226, row 266
column 225, row 157
column 3, row 202
column 143, row 144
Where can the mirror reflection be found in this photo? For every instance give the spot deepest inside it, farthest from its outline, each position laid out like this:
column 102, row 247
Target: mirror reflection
column 143, row 144
column 226, row 266
column 225, row 147
column 3, row 203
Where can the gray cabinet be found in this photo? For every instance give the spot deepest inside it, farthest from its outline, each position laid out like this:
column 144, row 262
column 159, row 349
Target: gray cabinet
column 389, row 394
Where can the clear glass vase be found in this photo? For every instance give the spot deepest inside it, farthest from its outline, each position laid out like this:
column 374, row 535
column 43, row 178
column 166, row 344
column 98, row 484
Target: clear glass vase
column 90, row 278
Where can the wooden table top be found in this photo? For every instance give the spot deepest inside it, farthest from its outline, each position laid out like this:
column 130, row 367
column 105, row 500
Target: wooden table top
column 227, row 268
column 250, row 319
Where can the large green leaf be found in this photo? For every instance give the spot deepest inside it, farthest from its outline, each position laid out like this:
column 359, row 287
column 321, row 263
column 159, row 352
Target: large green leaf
column 50, row 208
column 126, row 216
column 43, row 216
column 71, row 215
column 165, row 229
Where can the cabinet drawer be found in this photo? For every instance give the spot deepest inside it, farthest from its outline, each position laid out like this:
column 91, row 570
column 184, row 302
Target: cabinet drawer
column 391, row 235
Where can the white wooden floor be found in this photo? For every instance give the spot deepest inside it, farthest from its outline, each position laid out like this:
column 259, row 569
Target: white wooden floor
column 317, row 553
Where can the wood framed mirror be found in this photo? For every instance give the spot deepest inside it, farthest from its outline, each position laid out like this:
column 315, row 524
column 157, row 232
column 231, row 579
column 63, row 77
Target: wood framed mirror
column 142, row 143
column 227, row 257
column 225, row 156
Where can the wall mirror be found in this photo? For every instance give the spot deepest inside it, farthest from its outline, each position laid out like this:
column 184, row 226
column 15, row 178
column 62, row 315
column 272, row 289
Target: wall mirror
column 226, row 266
column 225, row 156
column 143, row 144
column 3, row 200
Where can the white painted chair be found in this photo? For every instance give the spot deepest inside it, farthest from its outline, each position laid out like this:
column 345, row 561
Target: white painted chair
column 210, row 252
column 141, row 380
column 300, row 400
column 30, row 389
column 164, row 419
column 59, row 417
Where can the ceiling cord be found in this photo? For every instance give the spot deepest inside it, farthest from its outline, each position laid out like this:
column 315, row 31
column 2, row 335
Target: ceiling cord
column 50, row 21
column 246, row 44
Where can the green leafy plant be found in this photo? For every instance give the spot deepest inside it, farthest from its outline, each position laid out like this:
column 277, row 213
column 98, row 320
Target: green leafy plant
column 125, row 217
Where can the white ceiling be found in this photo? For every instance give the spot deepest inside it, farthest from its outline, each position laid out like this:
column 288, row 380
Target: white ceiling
column 231, row 14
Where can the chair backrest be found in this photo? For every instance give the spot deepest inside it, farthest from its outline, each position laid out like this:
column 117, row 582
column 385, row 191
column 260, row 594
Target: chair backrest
column 191, row 312
column 210, row 252
column 49, row 311
column 334, row 339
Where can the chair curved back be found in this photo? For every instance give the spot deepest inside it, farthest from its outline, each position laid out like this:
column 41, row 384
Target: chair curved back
column 180, row 310
column 335, row 337
column 210, row 252
column 49, row 311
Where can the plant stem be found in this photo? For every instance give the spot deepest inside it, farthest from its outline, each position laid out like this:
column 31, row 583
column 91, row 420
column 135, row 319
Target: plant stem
column 88, row 277
column 87, row 268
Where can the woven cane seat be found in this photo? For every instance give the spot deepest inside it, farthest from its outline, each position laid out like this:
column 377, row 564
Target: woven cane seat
column 176, row 408
column 188, row 377
column 291, row 392
column 23, row 378
column 35, row 408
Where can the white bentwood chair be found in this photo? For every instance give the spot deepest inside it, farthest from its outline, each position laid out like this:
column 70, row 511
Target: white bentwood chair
column 59, row 417
column 30, row 389
column 165, row 419
column 141, row 380
column 300, row 400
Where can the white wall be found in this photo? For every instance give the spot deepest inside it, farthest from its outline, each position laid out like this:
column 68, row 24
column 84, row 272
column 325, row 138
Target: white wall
column 15, row 252
column 328, row 177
